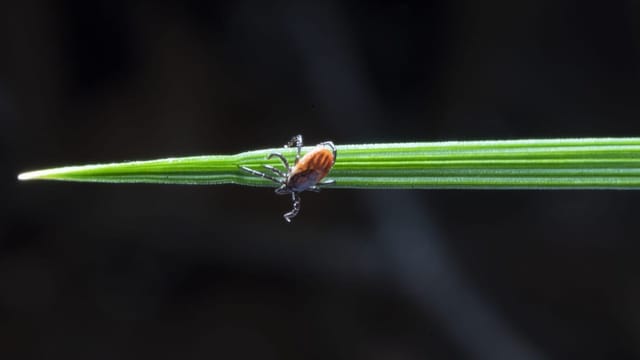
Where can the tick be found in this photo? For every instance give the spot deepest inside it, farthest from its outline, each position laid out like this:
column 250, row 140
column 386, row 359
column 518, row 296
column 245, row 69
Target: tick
column 305, row 174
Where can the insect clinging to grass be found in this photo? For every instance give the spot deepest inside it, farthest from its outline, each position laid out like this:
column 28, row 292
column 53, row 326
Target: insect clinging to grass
column 306, row 173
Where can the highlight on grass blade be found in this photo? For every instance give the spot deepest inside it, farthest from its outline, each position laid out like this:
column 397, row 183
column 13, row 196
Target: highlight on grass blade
column 50, row 173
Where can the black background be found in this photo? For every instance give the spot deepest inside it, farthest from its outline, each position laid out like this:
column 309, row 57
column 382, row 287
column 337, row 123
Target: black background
column 99, row 271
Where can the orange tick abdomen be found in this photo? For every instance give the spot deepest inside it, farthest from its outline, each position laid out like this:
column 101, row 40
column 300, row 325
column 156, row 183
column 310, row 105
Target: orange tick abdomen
column 311, row 168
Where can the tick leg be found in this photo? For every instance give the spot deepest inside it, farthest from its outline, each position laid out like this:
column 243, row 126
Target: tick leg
column 259, row 174
column 282, row 158
column 328, row 182
column 278, row 172
column 297, row 142
column 317, row 188
column 333, row 148
column 296, row 207
column 282, row 190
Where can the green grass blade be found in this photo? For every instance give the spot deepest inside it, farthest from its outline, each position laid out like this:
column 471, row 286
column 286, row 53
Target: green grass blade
column 586, row 163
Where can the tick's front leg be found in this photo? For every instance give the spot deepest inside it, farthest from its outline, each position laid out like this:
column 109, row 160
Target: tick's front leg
column 259, row 174
column 296, row 207
column 276, row 171
column 282, row 158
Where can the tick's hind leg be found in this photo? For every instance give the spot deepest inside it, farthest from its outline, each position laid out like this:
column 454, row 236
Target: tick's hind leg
column 317, row 188
column 297, row 142
column 296, row 207
column 259, row 174
column 333, row 149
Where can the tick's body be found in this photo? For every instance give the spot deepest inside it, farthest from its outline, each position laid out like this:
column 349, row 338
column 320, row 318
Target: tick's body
column 306, row 173
column 310, row 169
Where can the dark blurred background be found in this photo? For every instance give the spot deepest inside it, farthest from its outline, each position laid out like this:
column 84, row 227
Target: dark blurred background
column 97, row 271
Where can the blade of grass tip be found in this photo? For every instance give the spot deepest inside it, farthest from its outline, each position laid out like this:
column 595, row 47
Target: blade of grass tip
column 584, row 163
